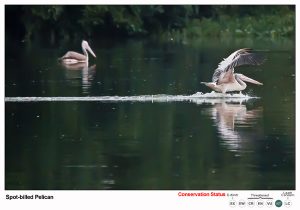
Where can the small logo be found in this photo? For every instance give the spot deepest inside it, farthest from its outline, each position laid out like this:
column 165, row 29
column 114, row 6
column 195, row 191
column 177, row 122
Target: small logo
column 278, row 203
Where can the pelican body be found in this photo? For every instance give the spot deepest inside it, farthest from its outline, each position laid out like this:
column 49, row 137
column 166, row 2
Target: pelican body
column 225, row 80
column 72, row 57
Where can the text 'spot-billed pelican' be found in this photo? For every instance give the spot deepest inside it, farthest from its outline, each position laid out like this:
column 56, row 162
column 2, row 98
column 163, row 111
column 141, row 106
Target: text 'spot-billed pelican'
column 225, row 80
column 72, row 57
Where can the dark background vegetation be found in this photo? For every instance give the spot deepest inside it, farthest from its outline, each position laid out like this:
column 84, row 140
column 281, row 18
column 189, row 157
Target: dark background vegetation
column 28, row 22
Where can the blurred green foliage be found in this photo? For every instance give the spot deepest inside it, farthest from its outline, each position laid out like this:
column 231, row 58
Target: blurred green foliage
column 262, row 26
column 67, row 22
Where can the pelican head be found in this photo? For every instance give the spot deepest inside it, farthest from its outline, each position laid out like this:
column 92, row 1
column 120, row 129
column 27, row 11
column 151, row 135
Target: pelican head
column 85, row 46
column 247, row 79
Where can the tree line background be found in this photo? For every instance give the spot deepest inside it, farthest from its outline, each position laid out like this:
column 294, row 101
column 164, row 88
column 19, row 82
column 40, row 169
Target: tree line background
column 70, row 22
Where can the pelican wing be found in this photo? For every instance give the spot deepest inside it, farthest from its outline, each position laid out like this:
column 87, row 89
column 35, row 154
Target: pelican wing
column 217, row 74
column 220, row 76
column 226, row 77
column 240, row 57
column 74, row 55
column 245, row 59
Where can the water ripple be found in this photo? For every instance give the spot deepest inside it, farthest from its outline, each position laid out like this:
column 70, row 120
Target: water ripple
column 198, row 98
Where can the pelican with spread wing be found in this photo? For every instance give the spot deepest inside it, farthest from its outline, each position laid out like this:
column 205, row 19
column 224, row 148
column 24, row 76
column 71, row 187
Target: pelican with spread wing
column 225, row 80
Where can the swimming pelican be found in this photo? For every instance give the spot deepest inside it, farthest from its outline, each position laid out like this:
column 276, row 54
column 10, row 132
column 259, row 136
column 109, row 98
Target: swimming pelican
column 72, row 57
column 225, row 80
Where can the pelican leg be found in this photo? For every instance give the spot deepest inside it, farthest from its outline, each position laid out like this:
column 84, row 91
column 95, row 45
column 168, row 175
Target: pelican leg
column 224, row 93
column 241, row 94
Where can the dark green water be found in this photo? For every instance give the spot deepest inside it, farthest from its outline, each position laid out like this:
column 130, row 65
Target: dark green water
column 148, row 145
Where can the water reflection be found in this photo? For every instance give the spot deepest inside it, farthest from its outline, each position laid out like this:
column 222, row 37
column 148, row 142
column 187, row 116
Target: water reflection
column 75, row 72
column 236, row 125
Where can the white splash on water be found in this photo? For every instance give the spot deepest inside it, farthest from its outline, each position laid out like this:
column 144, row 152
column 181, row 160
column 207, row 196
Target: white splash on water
column 198, row 98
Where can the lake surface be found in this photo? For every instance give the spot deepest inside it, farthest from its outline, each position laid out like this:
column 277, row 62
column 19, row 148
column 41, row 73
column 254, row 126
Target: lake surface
column 199, row 143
